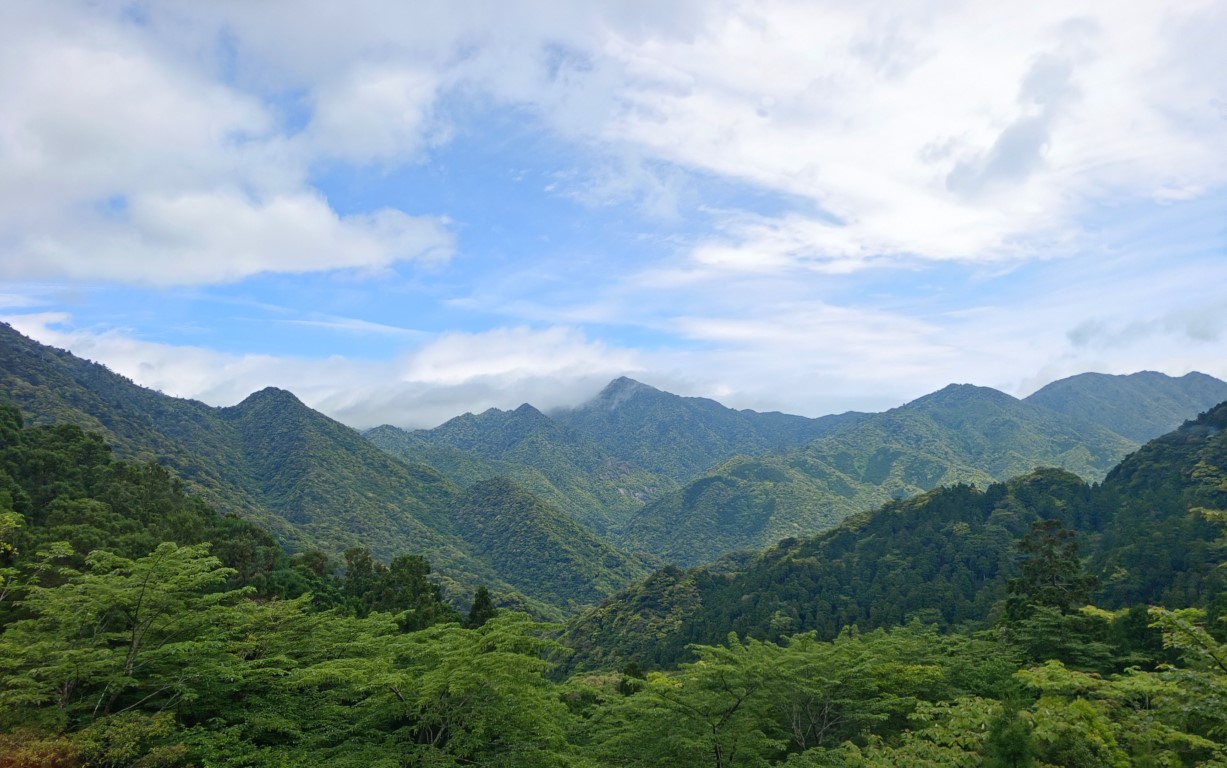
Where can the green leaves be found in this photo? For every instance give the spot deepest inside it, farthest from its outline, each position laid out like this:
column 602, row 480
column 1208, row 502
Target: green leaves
column 120, row 635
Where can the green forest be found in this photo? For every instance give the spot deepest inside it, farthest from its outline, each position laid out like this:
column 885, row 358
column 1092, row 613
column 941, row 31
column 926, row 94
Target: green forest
column 1081, row 626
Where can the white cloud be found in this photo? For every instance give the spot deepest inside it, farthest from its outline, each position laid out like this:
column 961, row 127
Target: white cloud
column 373, row 115
column 181, row 149
column 17, row 301
column 218, row 237
column 938, row 131
column 121, row 162
column 931, row 130
column 513, row 353
column 441, row 378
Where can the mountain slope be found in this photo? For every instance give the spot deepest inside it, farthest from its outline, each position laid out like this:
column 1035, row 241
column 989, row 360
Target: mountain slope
column 1150, row 545
column 747, row 503
column 53, row 386
column 312, row 481
column 679, row 437
column 1139, row 406
column 961, row 434
column 974, row 434
column 540, row 454
column 946, row 556
column 540, row 549
column 323, row 478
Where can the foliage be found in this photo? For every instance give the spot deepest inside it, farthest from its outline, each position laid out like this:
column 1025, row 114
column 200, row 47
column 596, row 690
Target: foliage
column 681, row 437
column 482, row 609
column 140, row 628
column 116, row 636
column 962, row 434
column 947, row 557
column 944, row 557
column 564, row 468
column 1139, row 406
column 310, row 481
column 1050, row 574
column 541, row 551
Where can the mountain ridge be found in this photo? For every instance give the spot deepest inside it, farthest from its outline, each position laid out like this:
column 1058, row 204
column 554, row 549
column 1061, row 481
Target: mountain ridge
column 308, row 479
column 313, row 481
column 962, row 433
column 944, row 557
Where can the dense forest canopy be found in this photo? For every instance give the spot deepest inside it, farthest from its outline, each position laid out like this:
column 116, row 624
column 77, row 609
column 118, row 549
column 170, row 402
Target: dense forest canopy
column 141, row 628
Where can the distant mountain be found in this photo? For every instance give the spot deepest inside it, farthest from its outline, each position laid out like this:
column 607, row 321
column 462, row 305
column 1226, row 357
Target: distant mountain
column 53, row 386
column 751, row 478
column 540, row 454
column 965, row 433
column 1150, row 545
column 680, row 437
column 336, row 488
column 543, row 551
column 1139, row 406
column 961, row 434
column 757, row 477
column 747, row 503
column 944, row 557
column 310, row 480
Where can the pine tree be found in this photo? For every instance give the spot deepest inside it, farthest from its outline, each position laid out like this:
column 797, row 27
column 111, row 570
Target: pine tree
column 483, row 609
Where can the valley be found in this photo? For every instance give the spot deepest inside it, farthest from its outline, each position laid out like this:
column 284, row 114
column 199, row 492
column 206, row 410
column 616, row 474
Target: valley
column 643, row 558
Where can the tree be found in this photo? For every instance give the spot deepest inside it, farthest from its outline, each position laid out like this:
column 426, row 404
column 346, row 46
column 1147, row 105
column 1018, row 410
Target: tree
column 123, row 634
column 402, row 588
column 1051, row 573
column 713, row 712
column 482, row 610
column 1008, row 743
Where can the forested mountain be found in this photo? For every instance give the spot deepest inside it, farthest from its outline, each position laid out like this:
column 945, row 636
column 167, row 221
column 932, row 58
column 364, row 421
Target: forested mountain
column 183, row 653
column 52, row 386
column 540, row 454
column 310, row 480
column 961, row 434
column 316, row 483
column 946, row 557
column 1139, row 406
column 544, row 552
column 748, row 503
column 679, row 437
column 338, row 491
column 140, row 628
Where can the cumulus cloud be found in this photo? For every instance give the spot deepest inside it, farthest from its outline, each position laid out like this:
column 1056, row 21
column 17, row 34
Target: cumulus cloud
column 182, row 143
column 120, row 162
column 374, row 115
column 936, row 131
column 983, row 132
column 218, row 237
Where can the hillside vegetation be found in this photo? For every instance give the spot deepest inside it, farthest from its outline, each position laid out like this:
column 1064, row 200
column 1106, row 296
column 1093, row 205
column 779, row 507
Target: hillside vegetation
column 947, row 557
column 961, row 434
column 599, row 491
column 541, row 455
column 140, row 628
column 311, row 481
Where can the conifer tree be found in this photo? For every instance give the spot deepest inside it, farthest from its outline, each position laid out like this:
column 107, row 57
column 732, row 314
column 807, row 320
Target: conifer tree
column 483, row 609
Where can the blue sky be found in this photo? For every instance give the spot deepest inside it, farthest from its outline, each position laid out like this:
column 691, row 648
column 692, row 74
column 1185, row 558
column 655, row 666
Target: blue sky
column 405, row 211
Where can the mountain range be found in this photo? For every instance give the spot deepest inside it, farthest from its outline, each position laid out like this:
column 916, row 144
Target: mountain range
column 560, row 510
column 945, row 557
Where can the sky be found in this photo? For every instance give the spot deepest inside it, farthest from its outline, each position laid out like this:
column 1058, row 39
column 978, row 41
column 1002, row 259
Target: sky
column 405, row 211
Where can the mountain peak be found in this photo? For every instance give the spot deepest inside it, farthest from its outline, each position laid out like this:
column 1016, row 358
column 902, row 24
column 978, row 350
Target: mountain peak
column 1141, row 406
column 958, row 394
column 527, row 410
column 619, row 391
column 272, row 396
